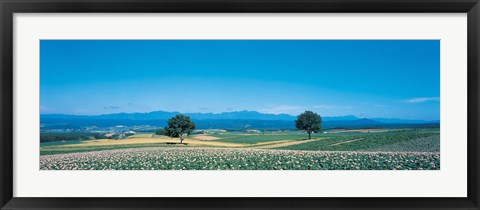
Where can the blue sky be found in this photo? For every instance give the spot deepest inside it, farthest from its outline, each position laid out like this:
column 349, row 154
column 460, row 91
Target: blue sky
column 366, row 78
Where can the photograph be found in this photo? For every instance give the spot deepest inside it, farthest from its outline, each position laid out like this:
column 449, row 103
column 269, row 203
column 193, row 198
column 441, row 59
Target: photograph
column 239, row 104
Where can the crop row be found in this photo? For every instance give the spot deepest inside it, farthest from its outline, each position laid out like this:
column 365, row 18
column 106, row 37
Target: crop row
column 427, row 144
column 362, row 142
column 237, row 159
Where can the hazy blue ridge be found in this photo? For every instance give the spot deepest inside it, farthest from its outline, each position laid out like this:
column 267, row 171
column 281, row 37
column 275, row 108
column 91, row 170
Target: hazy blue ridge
column 226, row 120
column 236, row 115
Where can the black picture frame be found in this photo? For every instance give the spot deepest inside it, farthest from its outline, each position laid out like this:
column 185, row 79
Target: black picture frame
column 9, row 7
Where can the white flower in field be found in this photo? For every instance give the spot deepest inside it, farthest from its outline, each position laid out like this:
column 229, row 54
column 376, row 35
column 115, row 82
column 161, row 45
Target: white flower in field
column 234, row 159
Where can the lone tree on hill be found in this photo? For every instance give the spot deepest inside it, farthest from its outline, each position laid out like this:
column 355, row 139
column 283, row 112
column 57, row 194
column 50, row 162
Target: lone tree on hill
column 178, row 126
column 309, row 122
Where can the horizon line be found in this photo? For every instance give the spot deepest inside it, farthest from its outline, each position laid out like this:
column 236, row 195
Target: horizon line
column 216, row 113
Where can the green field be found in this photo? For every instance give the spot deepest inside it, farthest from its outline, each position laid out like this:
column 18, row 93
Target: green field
column 370, row 142
column 361, row 150
column 256, row 138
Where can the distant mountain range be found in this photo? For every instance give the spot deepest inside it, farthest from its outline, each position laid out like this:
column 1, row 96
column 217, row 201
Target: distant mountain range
column 156, row 115
column 225, row 120
column 237, row 115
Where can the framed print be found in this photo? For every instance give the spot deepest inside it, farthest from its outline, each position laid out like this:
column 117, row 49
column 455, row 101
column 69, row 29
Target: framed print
column 239, row 104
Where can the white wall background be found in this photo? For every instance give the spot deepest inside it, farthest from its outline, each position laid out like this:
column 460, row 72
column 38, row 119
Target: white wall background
column 450, row 181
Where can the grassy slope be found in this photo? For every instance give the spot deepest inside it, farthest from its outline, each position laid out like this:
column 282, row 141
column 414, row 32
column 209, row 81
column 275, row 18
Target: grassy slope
column 427, row 144
column 404, row 141
column 258, row 138
column 252, row 139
